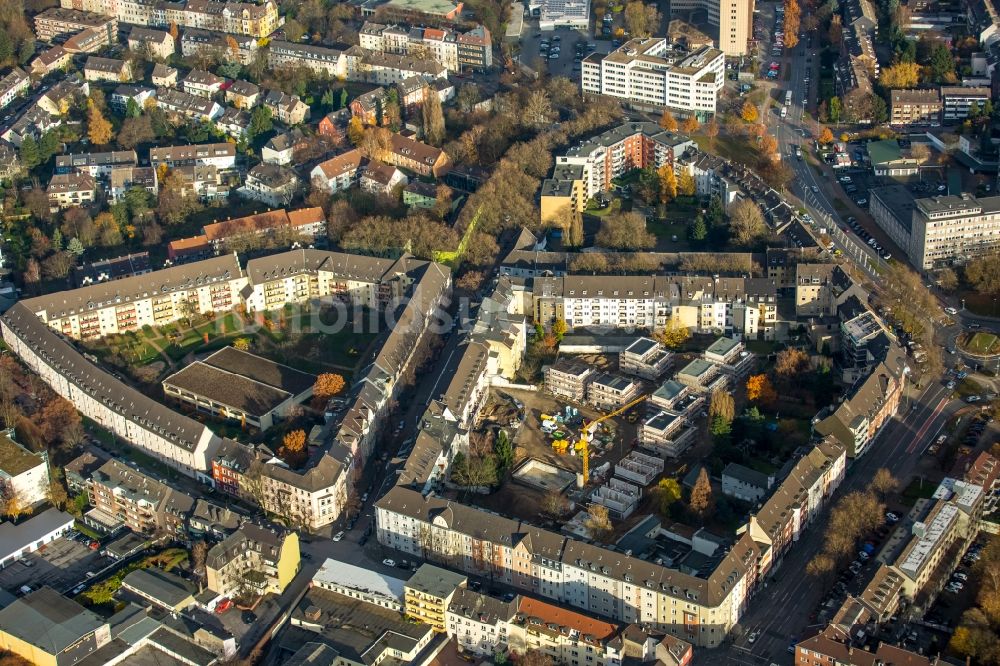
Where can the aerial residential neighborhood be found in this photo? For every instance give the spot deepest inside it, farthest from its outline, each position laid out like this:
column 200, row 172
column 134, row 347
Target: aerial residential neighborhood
column 553, row 333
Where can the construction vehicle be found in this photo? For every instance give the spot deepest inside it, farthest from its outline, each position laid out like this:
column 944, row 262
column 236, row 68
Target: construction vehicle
column 560, row 446
column 582, row 445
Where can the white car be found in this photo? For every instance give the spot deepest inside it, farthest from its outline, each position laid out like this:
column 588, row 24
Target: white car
column 753, row 636
column 389, row 563
column 958, row 575
column 891, row 517
column 951, row 311
column 814, row 189
column 862, row 555
column 338, row 536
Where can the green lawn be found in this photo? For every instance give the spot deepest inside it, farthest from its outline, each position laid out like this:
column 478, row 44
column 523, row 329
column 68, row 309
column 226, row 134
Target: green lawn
column 983, row 343
column 918, row 490
column 724, row 146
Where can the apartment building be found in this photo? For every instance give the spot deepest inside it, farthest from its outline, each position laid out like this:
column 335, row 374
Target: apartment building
column 339, row 173
column 177, row 441
column 155, row 43
column 253, row 561
column 58, row 21
column 257, row 20
column 730, row 306
column 24, row 474
column 243, row 94
column 388, row 69
column 124, row 95
column 915, row 107
column 285, row 108
column 122, row 496
column 187, row 105
column 634, row 145
column 95, row 165
column 13, row 83
column 202, row 83
column 646, row 73
column 227, row 47
column 69, row 190
column 48, row 61
column 731, row 357
column 415, row 156
column 272, row 184
column 797, row 501
column 667, row 433
column 317, row 58
column 90, row 40
column 608, row 392
column 126, row 178
column 734, row 19
column 571, row 573
column 452, row 50
column 381, row 179
column 429, row 592
column 568, row 379
column 951, row 229
column 107, row 69
column 820, row 289
column 163, row 76
column 867, row 406
column 957, row 100
column 220, row 155
column 364, row 584
column 304, row 222
column 892, row 206
column 563, row 195
column 745, row 484
column 645, row 358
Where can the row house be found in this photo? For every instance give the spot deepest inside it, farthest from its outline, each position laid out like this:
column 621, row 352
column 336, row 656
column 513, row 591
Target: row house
column 306, row 222
column 50, row 60
column 201, row 83
column 257, row 20
column 797, row 500
column 123, row 496
column 220, row 155
column 95, row 165
column 386, row 69
column 227, row 47
column 451, row 49
column 320, row 59
column 187, row 105
column 180, row 443
column 339, row 173
column 571, row 574
column 69, row 190
column 58, row 21
column 107, row 69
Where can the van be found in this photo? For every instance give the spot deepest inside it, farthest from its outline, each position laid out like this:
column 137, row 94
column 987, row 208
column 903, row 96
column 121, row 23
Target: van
column 784, row 111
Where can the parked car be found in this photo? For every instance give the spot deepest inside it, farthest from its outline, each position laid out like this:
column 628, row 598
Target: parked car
column 389, row 563
column 892, row 517
column 951, row 311
column 223, row 605
column 338, row 536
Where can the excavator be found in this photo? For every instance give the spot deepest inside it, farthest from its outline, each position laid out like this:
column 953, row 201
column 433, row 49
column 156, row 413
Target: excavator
column 582, row 445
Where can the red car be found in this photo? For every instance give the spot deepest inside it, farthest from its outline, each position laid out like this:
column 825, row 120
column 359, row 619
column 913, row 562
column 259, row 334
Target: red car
column 223, row 606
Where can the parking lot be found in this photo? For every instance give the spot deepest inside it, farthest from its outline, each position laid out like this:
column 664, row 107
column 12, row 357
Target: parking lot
column 60, row 565
column 557, row 50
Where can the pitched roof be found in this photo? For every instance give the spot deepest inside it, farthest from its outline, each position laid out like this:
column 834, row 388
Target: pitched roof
column 344, row 163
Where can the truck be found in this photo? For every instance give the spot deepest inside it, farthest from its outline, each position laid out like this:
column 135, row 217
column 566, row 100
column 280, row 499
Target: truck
column 788, row 98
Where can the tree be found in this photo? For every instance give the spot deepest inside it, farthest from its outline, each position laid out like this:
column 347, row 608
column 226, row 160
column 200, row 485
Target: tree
column 722, row 405
column 433, row 117
column 503, row 452
column 535, row 658
column 749, row 112
column 821, row 565
column 826, row 136
column 597, row 522
column 554, row 504
column 641, row 19
column 698, row 230
column 900, row 75
column 559, row 329
column 668, row 122
column 57, row 420
column 686, row 185
column 947, row 279
column 834, row 109
column 883, row 482
column 746, row 222
column 75, row 247
column 668, row 183
column 199, row 554
column 667, row 493
column 99, row 129
column 355, row 131
column 135, row 131
column 759, row 389
column 328, row 384
column 700, row 502
column 690, row 124
column 791, row 362
column 260, row 122
column 625, row 231
column 673, row 335
column 28, row 153
column 983, row 273
column 293, row 448
column 921, row 153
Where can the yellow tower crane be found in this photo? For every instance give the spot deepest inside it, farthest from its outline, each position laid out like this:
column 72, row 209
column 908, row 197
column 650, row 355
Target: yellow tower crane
column 587, row 433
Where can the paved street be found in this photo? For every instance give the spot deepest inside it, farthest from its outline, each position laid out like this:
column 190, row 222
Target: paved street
column 781, row 611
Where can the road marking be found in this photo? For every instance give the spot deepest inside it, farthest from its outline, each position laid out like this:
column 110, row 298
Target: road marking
column 923, row 431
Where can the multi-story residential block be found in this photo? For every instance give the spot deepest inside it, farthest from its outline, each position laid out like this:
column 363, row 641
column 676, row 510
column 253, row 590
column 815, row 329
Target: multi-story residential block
column 820, row 289
column 90, row 40
column 915, row 107
column 123, row 496
column 869, row 404
column 452, row 50
column 317, row 58
column 24, row 474
column 220, row 155
column 50, row 60
column 952, row 229
column 428, row 594
column 57, row 21
column 645, row 73
column 126, row 178
column 242, row 18
column 288, row 109
column 338, row 173
column 389, row 69
column 155, row 43
column 645, row 358
column 124, row 95
column 571, row 573
column 412, row 155
column 608, row 392
column 957, row 100
column 68, row 190
column 734, row 18
column 282, row 148
column 838, row 645
column 253, row 561
column 272, row 184
column 14, row 83
column 730, row 356
column 378, row 178
column 226, row 47
column 187, row 105
column 568, row 379
column 701, row 376
column 95, row 165
column 635, row 145
column 667, row 433
column 233, row 384
column 368, row 106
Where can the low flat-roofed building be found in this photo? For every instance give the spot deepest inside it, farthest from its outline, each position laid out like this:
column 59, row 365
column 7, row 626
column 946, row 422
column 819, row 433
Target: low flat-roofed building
column 744, row 483
column 645, row 358
column 361, row 583
column 29, row 535
column 238, row 385
column 48, row 629
column 161, row 588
